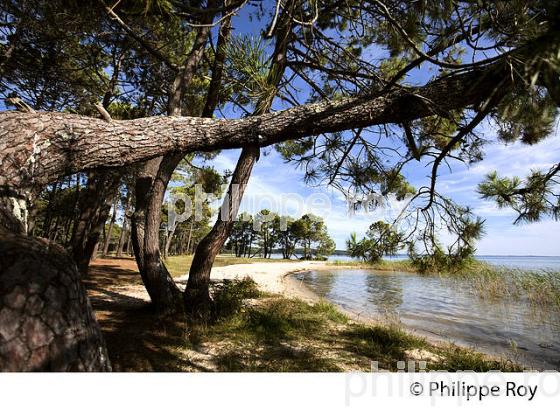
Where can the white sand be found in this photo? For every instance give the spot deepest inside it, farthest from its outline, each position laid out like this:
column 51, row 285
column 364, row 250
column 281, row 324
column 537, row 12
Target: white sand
column 269, row 276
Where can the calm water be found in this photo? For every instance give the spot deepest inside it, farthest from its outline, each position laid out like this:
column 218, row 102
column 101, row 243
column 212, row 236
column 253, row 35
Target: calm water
column 447, row 309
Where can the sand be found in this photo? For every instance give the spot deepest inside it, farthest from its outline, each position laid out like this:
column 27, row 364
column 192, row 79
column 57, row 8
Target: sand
column 270, row 276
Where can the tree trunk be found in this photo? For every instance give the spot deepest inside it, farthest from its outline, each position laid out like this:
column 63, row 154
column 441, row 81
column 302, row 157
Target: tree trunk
column 70, row 143
column 151, row 186
column 124, row 229
column 197, row 296
column 48, row 213
column 146, row 221
column 109, row 234
column 94, row 210
column 129, row 243
column 190, row 235
column 122, row 236
column 95, row 251
column 197, row 292
column 46, row 320
column 168, row 239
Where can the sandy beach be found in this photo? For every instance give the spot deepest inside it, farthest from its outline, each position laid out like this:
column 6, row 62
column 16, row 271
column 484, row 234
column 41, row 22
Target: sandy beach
column 270, row 277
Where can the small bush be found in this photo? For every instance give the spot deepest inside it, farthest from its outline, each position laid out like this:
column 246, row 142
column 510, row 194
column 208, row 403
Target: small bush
column 230, row 295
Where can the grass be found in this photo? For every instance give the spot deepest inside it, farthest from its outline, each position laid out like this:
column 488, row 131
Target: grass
column 290, row 335
column 254, row 331
column 383, row 265
column 540, row 289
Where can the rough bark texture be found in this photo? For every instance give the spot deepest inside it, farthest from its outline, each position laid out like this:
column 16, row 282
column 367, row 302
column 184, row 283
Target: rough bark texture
column 151, row 183
column 197, row 296
column 94, row 208
column 110, row 229
column 46, row 321
column 150, row 190
column 39, row 148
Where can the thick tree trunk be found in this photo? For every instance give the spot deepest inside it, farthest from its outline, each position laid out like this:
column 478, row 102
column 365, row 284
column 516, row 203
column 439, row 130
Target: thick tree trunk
column 94, row 208
column 46, row 321
column 151, row 184
column 40, row 148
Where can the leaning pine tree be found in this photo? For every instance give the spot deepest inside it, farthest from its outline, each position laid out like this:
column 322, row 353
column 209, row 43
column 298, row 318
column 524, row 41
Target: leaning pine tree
column 361, row 123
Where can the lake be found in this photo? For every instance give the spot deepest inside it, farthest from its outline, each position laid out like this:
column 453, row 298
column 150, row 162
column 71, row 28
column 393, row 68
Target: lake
column 446, row 309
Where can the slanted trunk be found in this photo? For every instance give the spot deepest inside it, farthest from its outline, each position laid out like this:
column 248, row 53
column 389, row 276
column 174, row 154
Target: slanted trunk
column 197, row 296
column 197, row 292
column 151, row 184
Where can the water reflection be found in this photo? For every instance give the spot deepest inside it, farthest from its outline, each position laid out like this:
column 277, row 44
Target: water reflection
column 447, row 308
column 384, row 292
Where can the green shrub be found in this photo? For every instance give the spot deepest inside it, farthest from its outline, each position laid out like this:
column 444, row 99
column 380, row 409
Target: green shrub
column 229, row 295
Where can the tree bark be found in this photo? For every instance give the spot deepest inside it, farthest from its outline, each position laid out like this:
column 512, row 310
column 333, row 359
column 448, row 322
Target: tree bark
column 197, row 292
column 146, row 221
column 168, row 239
column 40, row 148
column 94, row 210
column 110, row 229
column 151, row 186
column 46, row 321
column 124, row 229
column 197, row 296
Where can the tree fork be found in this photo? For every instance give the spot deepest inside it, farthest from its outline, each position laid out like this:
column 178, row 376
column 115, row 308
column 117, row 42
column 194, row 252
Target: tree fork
column 197, row 296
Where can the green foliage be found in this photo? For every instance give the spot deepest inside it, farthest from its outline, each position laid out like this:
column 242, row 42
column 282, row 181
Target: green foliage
column 229, row 296
column 531, row 199
column 381, row 239
column 527, row 114
column 247, row 69
column 267, row 230
column 441, row 262
column 311, row 233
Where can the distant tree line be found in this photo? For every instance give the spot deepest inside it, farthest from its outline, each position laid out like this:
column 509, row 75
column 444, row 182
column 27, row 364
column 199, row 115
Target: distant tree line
column 267, row 233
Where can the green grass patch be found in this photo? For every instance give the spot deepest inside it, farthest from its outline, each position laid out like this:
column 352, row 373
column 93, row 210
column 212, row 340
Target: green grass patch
column 273, row 333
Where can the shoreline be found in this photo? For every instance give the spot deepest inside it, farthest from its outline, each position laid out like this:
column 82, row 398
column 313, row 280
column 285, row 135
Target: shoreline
column 292, row 297
column 277, row 278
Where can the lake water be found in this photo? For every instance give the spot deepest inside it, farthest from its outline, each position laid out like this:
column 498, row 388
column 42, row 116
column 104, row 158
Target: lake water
column 447, row 309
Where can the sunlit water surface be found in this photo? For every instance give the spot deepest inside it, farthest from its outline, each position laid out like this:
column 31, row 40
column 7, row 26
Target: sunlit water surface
column 447, row 309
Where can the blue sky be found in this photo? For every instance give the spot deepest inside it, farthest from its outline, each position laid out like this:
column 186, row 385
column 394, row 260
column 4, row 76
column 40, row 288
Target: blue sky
column 272, row 179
